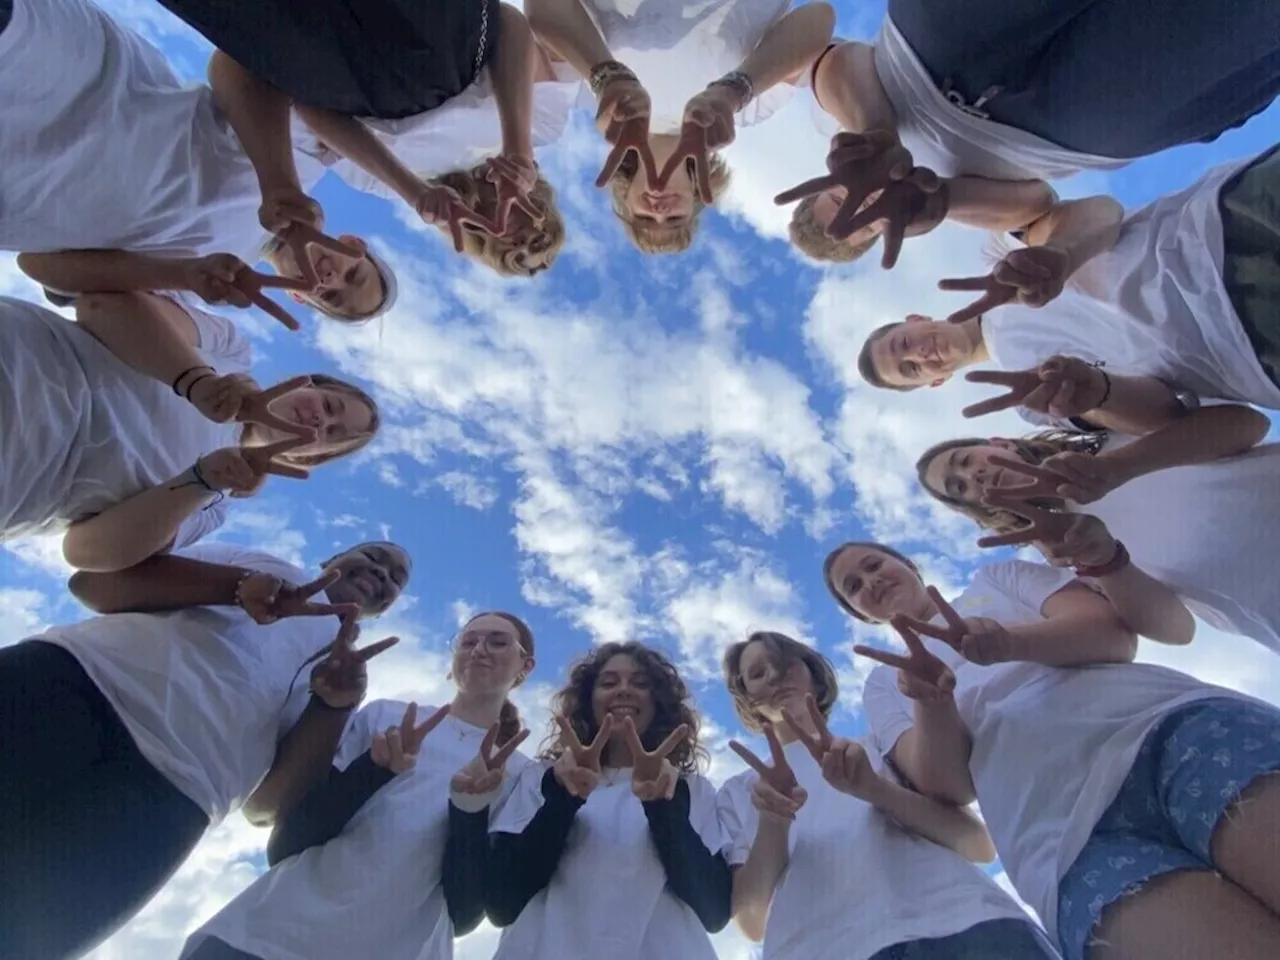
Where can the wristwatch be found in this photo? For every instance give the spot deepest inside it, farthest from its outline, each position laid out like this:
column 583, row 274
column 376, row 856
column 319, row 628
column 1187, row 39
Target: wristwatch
column 1188, row 400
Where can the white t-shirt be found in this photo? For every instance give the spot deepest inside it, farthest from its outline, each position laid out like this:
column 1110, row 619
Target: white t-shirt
column 104, row 147
column 375, row 889
column 1209, row 533
column 1154, row 305
column 856, row 881
column 952, row 142
column 80, row 430
column 676, row 48
column 608, row 897
column 204, row 692
column 457, row 135
column 1051, row 746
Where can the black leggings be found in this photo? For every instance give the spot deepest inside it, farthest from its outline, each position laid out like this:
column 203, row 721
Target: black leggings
column 89, row 830
column 1118, row 78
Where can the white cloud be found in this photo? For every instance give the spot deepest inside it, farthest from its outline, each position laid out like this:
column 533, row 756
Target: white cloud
column 22, row 614
column 478, row 493
column 266, row 524
column 42, row 553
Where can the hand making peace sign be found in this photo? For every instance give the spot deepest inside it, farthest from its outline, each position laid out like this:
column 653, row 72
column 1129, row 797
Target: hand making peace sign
column 1071, row 475
column 267, row 598
column 241, row 471
column 1060, row 387
column 776, row 795
column 296, row 220
column 652, row 775
column 484, row 773
column 979, row 640
column 622, row 118
column 439, row 205
column 237, row 396
column 921, row 675
column 1031, row 275
column 396, row 748
column 222, row 278
column 1065, row 539
column 341, row 678
column 578, row 767
column 514, row 176
column 845, row 764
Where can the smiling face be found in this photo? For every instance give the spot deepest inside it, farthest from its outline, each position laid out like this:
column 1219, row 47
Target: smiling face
column 488, row 657
column 372, row 576
column 338, row 417
column 965, row 473
column 877, row 585
column 623, row 689
column 350, row 287
column 772, row 685
column 920, row 352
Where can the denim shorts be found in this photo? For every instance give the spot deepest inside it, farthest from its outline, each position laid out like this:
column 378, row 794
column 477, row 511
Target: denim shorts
column 1003, row 939
column 1190, row 770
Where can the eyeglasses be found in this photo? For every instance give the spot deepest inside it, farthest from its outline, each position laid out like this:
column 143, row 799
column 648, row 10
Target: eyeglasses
column 495, row 641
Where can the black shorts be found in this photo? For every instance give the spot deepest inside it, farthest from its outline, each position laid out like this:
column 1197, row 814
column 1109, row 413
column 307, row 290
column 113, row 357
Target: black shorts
column 363, row 58
column 1115, row 78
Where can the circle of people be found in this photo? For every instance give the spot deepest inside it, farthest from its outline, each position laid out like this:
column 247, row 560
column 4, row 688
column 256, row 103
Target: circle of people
column 1134, row 808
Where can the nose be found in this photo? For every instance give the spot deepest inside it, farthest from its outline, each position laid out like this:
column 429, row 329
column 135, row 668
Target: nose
column 660, row 202
column 324, row 268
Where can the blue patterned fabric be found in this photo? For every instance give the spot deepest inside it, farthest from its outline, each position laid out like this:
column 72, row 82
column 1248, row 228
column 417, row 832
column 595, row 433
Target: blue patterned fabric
column 1190, row 770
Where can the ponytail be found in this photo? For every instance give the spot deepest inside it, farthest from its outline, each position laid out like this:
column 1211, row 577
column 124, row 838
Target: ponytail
column 509, row 724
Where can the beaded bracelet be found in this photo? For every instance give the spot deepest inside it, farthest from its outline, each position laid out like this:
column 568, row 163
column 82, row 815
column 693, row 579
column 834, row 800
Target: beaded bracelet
column 604, row 73
column 739, row 82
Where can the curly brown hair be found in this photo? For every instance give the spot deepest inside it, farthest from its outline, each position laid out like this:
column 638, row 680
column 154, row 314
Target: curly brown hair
column 672, row 704
column 782, row 651
column 1034, row 449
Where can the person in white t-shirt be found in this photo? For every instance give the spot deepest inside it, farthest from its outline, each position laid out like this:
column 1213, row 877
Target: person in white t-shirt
column 1083, row 287
column 610, row 846
column 372, row 862
column 124, row 737
column 1015, row 92
column 833, row 858
column 671, row 79
column 1193, row 502
column 1132, row 806
column 126, row 428
column 106, row 148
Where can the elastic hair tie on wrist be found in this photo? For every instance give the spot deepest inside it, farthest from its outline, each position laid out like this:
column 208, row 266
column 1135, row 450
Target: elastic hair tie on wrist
column 186, row 373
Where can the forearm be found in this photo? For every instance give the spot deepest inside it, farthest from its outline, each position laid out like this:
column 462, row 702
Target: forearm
column 934, row 754
column 465, row 866
column 755, row 881
column 790, row 46
column 259, row 115
column 999, row 205
column 1136, row 406
column 303, row 758
column 512, row 71
column 1080, row 228
column 132, row 530
column 157, row 584
column 567, row 29
column 1075, row 641
column 102, row 271
column 1147, row 606
column 355, row 141
column 134, row 328
column 1201, row 436
column 698, row 876
column 947, row 825
column 324, row 812
column 847, row 87
column 521, row 864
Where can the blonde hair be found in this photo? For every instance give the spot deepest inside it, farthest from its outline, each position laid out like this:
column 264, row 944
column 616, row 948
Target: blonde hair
column 345, row 447
column 386, row 283
column 811, row 238
column 499, row 253
column 658, row 237
column 1033, row 449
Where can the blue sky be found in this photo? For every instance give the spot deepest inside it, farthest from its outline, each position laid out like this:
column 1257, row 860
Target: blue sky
column 657, row 448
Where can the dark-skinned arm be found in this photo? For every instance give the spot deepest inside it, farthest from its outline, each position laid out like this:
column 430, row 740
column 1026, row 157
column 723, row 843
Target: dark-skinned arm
column 521, row 864
column 304, row 757
column 158, row 584
column 698, row 876
column 326, row 810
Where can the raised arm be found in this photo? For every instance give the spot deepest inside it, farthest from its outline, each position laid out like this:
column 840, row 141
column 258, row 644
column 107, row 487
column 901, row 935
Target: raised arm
column 568, row 30
column 790, row 46
column 259, row 115
column 1079, row 627
column 522, row 864
column 512, row 71
column 104, row 271
column 847, row 86
column 1081, row 229
column 327, row 809
column 350, row 137
column 158, row 584
column 698, row 876
column 1199, row 436
column 947, row 825
column 999, row 205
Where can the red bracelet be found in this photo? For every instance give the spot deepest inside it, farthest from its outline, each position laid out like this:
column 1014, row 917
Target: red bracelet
column 1118, row 561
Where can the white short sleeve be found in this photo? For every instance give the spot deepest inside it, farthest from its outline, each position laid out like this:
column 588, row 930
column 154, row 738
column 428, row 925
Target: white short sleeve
column 375, row 716
column 221, row 342
column 738, row 818
column 1030, row 584
column 200, row 524
column 702, row 812
column 889, row 713
column 235, row 555
column 523, row 800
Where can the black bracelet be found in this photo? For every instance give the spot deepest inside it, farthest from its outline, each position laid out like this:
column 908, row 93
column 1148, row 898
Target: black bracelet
column 199, row 475
column 190, row 370
column 194, row 380
column 1106, row 393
